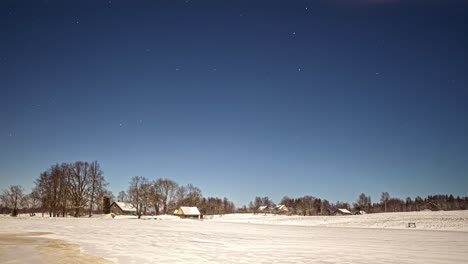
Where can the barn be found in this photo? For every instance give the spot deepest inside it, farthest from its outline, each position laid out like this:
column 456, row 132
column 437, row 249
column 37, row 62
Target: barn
column 121, row 208
column 188, row 212
column 342, row 211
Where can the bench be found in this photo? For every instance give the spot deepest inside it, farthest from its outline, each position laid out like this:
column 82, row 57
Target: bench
column 411, row 225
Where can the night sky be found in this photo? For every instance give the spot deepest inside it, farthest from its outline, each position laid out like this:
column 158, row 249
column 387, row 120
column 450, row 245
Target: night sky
column 240, row 98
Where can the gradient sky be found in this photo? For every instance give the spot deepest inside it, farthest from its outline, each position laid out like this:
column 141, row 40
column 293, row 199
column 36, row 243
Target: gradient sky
column 240, row 98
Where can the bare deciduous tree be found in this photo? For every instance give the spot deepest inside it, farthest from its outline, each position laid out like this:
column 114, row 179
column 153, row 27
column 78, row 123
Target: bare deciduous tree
column 363, row 202
column 122, row 196
column 78, row 185
column 384, row 199
column 136, row 193
column 155, row 196
column 97, row 183
column 12, row 197
column 167, row 189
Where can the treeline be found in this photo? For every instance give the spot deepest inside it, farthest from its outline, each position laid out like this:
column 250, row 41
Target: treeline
column 164, row 196
column 69, row 188
column 79, row 189
column 309, row 205
column 431, row 202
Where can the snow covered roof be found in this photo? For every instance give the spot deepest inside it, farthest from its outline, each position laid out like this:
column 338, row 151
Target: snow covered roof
column 282, row 207
column 126, row 206
column 344, row 211
column 185, row 210
column 261, row 208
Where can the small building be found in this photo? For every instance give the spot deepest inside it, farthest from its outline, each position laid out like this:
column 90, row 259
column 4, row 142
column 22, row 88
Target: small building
column 342, row 211
column 122, row 208
column 263, row 208
column 281, row 209
column 361, row 212
column 188, row 212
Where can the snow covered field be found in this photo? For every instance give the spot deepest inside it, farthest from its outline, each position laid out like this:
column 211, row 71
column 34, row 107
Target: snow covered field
column 247, row 238
column 427, row 220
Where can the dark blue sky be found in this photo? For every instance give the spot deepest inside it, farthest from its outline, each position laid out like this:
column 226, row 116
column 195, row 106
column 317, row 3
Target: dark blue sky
column 240, row 98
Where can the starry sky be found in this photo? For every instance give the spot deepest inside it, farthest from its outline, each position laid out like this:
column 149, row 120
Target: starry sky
column 240, row 98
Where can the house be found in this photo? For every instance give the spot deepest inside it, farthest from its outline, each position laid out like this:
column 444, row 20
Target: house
column 188, row 212
column 281, row 208
column 121, row 208
column 342, row 211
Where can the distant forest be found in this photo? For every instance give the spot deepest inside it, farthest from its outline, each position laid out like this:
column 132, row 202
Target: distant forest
column 309, row 205
column 80, row 188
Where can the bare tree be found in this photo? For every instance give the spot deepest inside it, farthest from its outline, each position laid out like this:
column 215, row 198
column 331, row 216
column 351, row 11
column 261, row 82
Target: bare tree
column 30, row 202
column 363, row 202
column 257, row 203
column 181, row 195
column 97, row 182
column 52, row 189
column 78, row 185
column 384, row 199
column 155, row 196
column 146, row 196
column 122, row 196
column 194, row 195
column 12, row 197
column 325, row 208
column 167, row 189
column 136, row 193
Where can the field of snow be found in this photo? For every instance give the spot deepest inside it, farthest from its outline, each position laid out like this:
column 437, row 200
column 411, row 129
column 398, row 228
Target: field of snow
column 247, row 238
column 425, row 220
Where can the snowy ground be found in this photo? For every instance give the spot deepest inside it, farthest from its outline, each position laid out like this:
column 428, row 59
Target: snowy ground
column 426, row 220
column 243, row 238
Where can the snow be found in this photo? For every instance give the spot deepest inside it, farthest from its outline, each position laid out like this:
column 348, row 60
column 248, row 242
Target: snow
column 440, row 237
column 426, row 220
